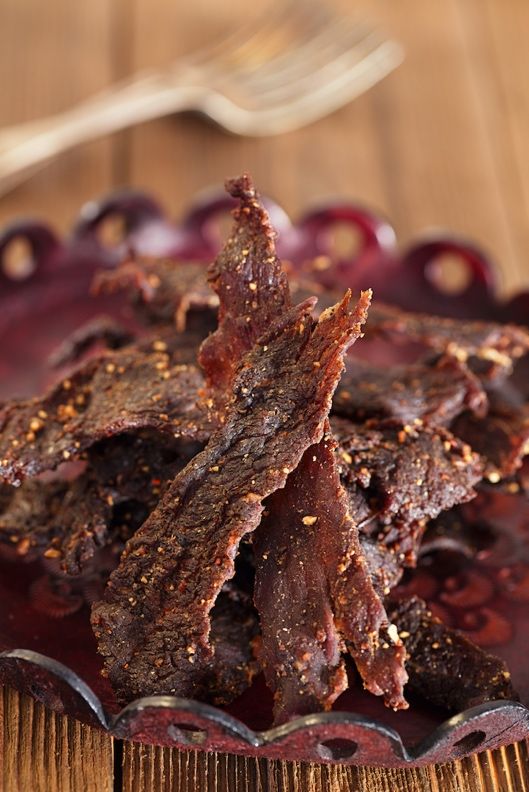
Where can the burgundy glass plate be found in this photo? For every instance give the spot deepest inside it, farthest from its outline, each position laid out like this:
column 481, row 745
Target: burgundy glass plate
column 55, row 660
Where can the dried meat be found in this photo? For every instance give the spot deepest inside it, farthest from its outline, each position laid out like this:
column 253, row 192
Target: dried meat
column 234, row 633
column 408, row 475
column 308, row 609
column 101, row 331
column 69, row 519
column 252, row 288
column 153, row 626
column 435, row 391
column 490, row 348
column 444, row 667
column 164, row 291
column 119, row 392
column 502, row 437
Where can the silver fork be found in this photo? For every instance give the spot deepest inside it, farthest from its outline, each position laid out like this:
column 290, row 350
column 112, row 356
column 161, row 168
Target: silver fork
column 292, row 67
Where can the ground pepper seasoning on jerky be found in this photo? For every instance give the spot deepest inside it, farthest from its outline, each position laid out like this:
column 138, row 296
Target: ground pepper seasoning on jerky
column 253, row 291
column 153, row 625
column 118, row 392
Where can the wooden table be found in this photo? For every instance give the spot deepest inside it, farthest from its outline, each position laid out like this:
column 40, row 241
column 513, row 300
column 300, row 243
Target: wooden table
column 441, row 142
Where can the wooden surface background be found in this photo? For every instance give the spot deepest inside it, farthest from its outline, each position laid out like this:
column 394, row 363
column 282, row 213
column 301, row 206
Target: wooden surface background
column 441, row 142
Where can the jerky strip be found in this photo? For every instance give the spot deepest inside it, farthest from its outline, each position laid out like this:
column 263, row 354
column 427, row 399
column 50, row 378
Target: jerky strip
column 492, row 346
column 296, row 597
column 118, row 392
column 502, row 438
column 434, row 392
column 444, row 667
column 301, row 647
column 408, row 474
column 164, row 291
column 252, row 288
column 153, row 626
column 101, row 330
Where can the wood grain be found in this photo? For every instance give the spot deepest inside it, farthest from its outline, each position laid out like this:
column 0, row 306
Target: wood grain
column 52, row 55
column 149, row 769
column 46, row 752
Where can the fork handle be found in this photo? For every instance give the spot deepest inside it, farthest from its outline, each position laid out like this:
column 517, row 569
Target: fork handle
column 25, row 147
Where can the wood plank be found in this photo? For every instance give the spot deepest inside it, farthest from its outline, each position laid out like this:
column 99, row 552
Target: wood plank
column 431, row 125
column 153, row 769
column 497, row 52
column 52, row 55
column 46, row 752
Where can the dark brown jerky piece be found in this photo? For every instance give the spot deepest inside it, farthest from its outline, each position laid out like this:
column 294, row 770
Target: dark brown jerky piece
column 383, row 565
column 69, row 520
column 28, row 521
column 101, row 330
column 502, row 437
column 306, row 608
column 164, row 291
column 301, row 647
column 252, row 288
column 444, row 667
column 435, row 391
column 155, row 616
column 234, row 630
column 118, row 392
column 408, row 474
column 489, row 347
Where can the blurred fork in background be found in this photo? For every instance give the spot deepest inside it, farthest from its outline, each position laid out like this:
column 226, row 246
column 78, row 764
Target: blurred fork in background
column 284, row 71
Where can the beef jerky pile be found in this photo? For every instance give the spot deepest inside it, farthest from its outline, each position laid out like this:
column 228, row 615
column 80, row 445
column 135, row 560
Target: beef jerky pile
column 262, row 490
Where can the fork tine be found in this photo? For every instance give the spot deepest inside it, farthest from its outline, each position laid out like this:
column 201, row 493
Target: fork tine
column 299, row 107
column 306, row 56
column 243, row 43
column 319, row 71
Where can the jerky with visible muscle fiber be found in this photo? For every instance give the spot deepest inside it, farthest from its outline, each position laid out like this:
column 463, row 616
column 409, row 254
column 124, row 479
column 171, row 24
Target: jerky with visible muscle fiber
column 153, row 625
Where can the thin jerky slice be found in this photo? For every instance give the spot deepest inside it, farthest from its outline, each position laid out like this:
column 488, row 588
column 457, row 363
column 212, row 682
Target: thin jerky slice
column 306, row 608
column 434, row 392
column 301, row 646
column 153, row 626
column 502, row 437
column 408, row 474
column 101, row 331
column 118, row 392
column 163, row 290
column 490, row 347
column 444, row 667
column 252, row 288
